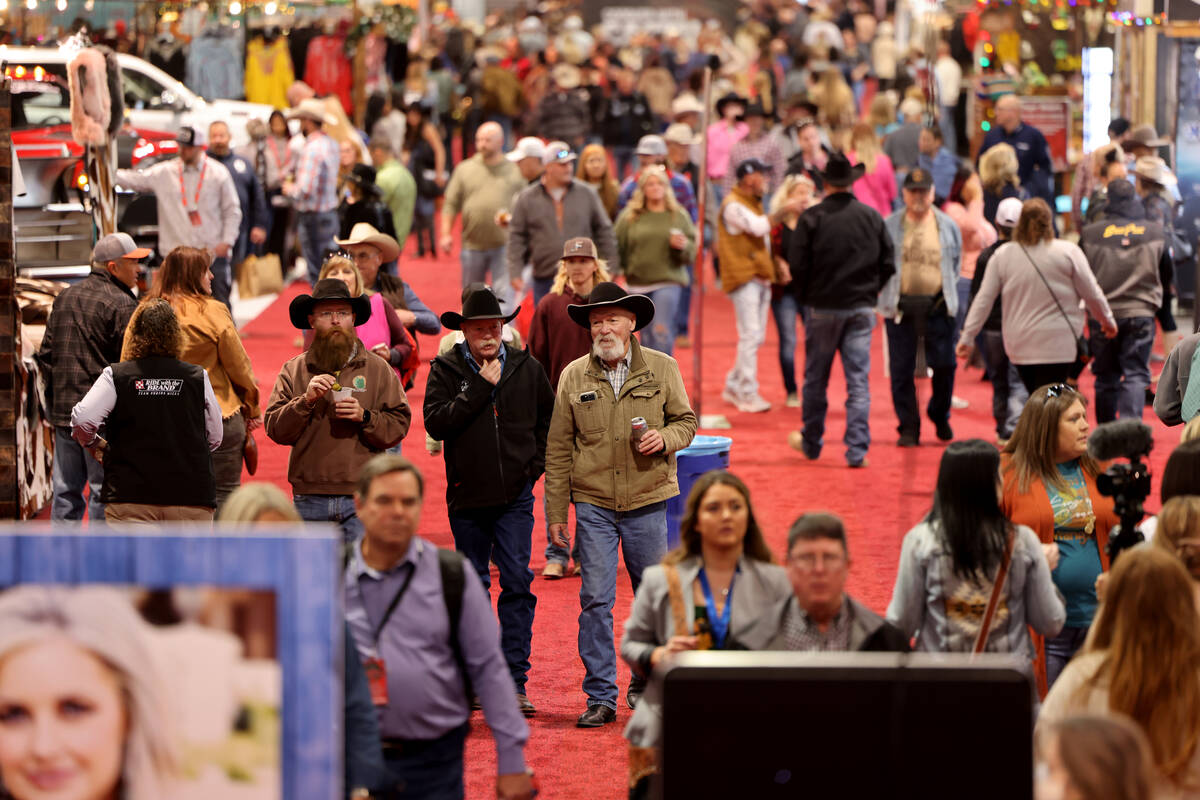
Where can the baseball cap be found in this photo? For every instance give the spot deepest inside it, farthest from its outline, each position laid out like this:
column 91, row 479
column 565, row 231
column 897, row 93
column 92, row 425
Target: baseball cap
column 1009, row 211
column 651, row 145
column 528, row 147
column 748, row 166
column 580, row 247
column 117, row 245
column 680, row 133
column 558, row 153
column 190, row 137
column 918, row 179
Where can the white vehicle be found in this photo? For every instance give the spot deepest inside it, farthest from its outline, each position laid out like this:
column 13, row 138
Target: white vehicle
column 153, row 99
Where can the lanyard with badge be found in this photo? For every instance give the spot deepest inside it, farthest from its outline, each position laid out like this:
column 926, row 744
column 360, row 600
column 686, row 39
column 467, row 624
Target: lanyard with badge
column 194, row 212
column 718, row 623
column 374, row 667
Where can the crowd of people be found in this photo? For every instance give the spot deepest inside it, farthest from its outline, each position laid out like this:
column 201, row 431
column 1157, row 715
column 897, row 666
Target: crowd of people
column 580, row 184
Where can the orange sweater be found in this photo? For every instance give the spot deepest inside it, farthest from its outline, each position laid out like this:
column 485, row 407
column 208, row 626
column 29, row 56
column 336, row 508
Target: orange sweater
column 1033, row 508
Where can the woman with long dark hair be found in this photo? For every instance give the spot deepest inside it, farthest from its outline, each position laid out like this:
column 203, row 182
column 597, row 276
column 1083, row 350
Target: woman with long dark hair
column 951, row 561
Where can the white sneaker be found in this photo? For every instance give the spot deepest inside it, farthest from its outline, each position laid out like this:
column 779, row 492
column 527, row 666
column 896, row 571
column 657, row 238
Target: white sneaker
column 730, row 397
column 754, row 405
column 958, row 404
column 792, row 401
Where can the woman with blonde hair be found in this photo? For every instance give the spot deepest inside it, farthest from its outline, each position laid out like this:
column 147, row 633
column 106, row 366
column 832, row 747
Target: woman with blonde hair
column 596, row 171
column 211, row 341
column 800, row 187
column 877, row 186
column 1143, row 660
column 835, row 99
column 1049, row 485
column 80, row 685
column 383, row 334
column 258, row 502
column 998, row 168
column 656, row 241
column 881, row 114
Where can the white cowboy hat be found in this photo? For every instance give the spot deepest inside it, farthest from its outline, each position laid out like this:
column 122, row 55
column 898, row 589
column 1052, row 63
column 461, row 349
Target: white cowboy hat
column 313, row 109
column 1153, row 168
column 365, row 233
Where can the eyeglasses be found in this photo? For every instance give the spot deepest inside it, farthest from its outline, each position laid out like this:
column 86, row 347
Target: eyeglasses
column 1058, row 389
column 808, row 561
column 334, row 316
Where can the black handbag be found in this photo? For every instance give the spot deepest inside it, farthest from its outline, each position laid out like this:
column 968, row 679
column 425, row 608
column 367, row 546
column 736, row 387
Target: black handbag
column 1083, row 348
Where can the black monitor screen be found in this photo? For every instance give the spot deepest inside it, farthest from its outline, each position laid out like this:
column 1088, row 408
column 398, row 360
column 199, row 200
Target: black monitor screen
column 765, row 725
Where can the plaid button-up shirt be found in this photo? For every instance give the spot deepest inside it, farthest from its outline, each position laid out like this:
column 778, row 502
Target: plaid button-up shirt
column 83, row 336
column 801, row 633
column 316, row 174
column 618, row 374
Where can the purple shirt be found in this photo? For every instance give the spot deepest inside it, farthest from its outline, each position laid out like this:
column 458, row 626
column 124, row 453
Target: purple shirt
column 426, row 697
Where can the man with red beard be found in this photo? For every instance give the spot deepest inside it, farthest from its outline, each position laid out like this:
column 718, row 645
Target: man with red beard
column 337, row 404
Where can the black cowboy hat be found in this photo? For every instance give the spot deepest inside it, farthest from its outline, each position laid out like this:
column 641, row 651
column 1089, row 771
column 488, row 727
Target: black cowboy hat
column 479, row 304
column 610, row 294
column 363, row 176
column 839, row 172
column 726, row 99
column 328, row 289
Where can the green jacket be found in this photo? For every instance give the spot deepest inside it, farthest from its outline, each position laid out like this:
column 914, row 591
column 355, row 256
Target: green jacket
column 589, row 456
column 399, row 195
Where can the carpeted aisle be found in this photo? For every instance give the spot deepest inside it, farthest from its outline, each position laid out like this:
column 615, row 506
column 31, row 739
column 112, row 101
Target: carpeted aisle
column 878, row 503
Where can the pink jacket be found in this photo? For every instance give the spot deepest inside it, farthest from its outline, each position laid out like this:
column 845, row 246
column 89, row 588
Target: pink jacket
column 878, row 187
column 977, row 232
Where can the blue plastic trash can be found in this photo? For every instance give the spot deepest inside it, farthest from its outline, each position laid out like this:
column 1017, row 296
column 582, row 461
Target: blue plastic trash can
column 703, row 454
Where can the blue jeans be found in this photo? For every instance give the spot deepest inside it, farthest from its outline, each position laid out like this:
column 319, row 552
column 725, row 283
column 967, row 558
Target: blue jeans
column 1060, row 649
column 1008, row 392
column 479, row 265
column 785, row 310
column 622, row 159
column 541, row 288
column 336, row 508
column 660, row 333
column 74, row 467
column 222, row 283
column 964, row 300
column 316, row 231
column 683, row 312
column 504, row 534
column 939, row 356
column 642, row 534
column 828, row 332
column 1122, row 367
column 428, row 770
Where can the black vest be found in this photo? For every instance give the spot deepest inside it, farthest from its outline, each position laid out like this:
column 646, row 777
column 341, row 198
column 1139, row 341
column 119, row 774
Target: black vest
column 157, row 445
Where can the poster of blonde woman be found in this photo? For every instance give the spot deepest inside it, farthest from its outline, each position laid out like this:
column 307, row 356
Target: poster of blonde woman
column 119, row 693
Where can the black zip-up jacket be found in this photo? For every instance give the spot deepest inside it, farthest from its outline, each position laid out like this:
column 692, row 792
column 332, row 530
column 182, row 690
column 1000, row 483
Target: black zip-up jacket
column 840, row 255
column 495, row 441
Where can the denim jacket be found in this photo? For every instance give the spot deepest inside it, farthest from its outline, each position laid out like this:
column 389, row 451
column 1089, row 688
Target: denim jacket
column 950, row 240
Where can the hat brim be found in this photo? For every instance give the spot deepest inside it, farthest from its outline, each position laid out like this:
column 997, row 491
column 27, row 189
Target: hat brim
column 856, row 172
column 641, row 306
column 389, row 250
column 302, row 306
column 324, row 119
column 139, row 253
column 454, row 320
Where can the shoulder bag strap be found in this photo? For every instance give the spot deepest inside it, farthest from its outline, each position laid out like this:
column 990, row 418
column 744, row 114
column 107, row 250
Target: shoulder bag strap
column 1053, row 296
column 675, row 593
column 994, row 600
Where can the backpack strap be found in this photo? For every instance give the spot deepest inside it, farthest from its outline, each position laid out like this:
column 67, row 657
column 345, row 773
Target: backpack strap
column 450, row 563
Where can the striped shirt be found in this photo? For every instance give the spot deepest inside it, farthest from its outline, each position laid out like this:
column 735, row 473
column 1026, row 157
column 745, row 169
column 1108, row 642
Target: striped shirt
column 316, row 174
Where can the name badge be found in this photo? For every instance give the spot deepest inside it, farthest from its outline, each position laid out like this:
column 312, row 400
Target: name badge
column 194, row 216
column 377, row 680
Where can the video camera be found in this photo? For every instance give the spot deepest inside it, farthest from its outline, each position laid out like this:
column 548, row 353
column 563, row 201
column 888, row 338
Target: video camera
column 1127, row 484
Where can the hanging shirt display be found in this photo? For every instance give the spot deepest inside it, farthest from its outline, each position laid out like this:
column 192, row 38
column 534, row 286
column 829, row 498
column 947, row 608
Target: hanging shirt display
column 214, row 69
column 327, row 70
column 268, row 72
column 168, row 54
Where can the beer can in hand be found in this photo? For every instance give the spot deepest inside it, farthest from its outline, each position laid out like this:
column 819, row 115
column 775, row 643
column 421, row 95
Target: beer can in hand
column 638, row 428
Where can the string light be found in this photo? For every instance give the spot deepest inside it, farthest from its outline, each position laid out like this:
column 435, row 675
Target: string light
column 270, row 8
column 31, row 5
column 235, row 8
column 61, row 5
column 3, row 5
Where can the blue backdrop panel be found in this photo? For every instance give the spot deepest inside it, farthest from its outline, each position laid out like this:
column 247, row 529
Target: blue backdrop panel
column 300, row 564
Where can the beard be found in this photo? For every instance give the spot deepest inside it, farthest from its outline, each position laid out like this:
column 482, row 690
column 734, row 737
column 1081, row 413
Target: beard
column 331, row 349
column 608, row 348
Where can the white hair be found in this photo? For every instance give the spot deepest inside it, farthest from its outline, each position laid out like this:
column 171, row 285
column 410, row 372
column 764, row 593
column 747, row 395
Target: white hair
column 103, row 622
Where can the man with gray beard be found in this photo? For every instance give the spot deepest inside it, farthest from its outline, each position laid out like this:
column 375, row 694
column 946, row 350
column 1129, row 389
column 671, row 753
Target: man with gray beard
column 619, row 478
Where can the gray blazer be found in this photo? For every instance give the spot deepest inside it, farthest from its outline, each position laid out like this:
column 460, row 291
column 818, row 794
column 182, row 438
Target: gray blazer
column 760, row 593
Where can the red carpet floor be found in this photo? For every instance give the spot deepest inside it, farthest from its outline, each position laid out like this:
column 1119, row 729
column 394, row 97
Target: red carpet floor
column 878, row 504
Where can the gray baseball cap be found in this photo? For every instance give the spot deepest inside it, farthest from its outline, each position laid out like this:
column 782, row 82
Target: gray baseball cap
column 652, row 145
column 117, row 245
